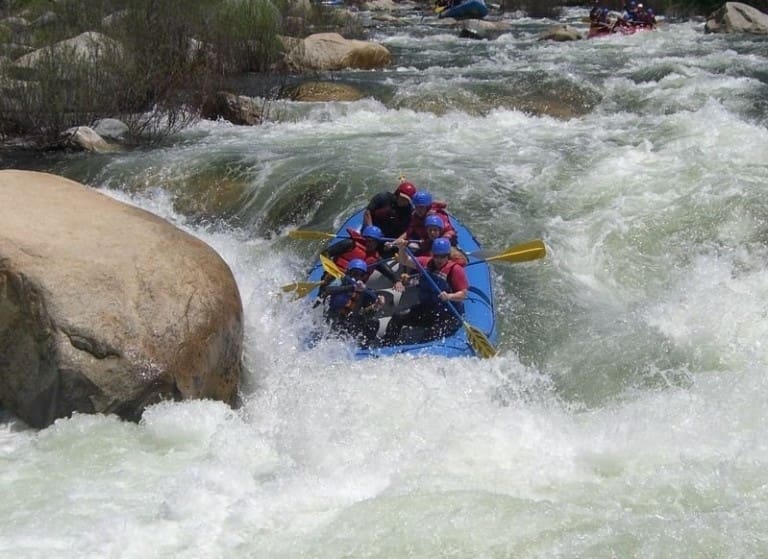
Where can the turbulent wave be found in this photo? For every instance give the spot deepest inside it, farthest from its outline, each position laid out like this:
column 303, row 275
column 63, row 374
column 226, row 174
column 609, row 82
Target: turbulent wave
column 625, row 415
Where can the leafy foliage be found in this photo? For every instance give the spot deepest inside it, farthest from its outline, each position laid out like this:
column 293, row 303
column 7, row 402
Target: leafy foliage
column 160, row 60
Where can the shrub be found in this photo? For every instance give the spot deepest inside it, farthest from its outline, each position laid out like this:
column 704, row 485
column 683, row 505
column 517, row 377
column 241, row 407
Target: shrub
column 244, row 34
column 166, row 58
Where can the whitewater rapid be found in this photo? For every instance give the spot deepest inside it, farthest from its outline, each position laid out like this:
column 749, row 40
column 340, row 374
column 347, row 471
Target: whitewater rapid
column 625, row 416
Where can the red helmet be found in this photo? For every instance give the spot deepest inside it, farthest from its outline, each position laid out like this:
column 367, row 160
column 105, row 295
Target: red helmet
column 406, row 189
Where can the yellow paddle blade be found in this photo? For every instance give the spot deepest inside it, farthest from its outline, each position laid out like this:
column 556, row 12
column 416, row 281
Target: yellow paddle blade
column 302, row 235
column 481, row 345
column 300, row 288
column 331, row 267
column 525, row 252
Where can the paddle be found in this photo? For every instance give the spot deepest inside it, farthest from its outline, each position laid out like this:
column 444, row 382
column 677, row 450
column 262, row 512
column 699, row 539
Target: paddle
column 303, row 235
column 331, row 267
column 306, row 235
column 524, row 252
column 302, row 288
column 478, row 341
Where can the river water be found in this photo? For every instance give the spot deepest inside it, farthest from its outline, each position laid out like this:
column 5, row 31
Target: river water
column 626, row 415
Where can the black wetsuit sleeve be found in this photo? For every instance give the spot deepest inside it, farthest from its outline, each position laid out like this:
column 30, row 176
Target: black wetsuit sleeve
column 336, row 289
column 339, row 248
column 386, row 271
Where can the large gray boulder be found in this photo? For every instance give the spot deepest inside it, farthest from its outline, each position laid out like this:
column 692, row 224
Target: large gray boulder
column 237, row 109
column 735, row 17
column 85, row 137
column 560, row 33
column 106, row 308
column 90, row 46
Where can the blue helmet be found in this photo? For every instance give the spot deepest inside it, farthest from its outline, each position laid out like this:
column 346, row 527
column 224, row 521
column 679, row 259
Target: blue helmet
column 441, row 246
column 422, row 198
column 357, row 264
column 372, row 232
column 434, row 221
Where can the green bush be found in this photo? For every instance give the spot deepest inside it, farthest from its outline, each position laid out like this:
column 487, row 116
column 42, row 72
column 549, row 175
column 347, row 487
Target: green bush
column 244, row 34
column 166, row 58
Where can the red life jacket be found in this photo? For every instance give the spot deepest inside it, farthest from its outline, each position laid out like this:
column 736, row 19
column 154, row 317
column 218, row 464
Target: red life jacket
column 358, row 251
column 448, row 231
column 441, row 277
column 416, row 229
column 425, row 249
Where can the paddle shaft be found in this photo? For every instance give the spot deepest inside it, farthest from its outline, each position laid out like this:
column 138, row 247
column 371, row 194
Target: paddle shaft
column 523, row 252
column 432, row 283
column 449, row 304
column 307, row 235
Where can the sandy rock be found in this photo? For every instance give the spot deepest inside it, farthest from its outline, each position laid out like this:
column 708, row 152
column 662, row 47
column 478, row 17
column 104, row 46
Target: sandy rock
column 88, row 139
column 735, row 17
column 89, row 46
column 106, row 308
column 331, row 51
column 237, row 109
column 325, row 91
column 560, row 33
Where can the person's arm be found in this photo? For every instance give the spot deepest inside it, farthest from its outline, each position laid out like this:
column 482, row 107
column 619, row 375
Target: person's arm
column 455, row 297
column 402, row 255
column 459, row 284
column 341, row 288
column 387, row 272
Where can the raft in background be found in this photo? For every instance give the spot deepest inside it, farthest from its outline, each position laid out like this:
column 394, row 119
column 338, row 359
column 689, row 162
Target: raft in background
column 596, row 31
column 469, row 9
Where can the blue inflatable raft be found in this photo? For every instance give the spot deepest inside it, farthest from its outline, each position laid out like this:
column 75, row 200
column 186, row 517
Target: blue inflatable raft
column 469, row 9
column 479, row 313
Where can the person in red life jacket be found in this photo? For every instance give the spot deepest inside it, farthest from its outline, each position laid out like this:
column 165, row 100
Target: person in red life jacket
column 391, row 211
column 351, row 304
column 645, row 16
column 365, row 246
column 431, row 315
column 434, row 225
column 424, row 205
